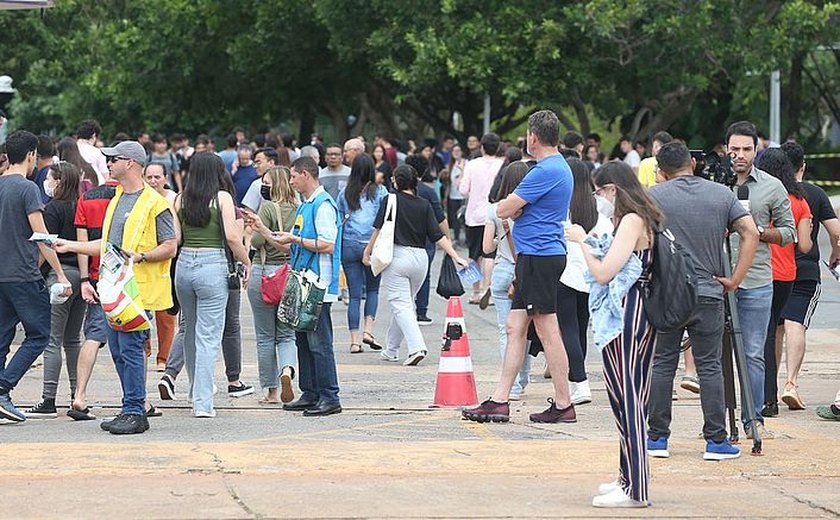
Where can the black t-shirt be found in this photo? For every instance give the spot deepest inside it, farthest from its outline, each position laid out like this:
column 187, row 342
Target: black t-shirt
column 808, row 265
column 58, row 217
column 415, row 223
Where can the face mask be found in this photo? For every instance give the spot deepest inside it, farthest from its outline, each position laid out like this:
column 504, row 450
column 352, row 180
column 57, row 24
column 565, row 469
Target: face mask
column 49, row 188
column 605, row 207
column 265, row 191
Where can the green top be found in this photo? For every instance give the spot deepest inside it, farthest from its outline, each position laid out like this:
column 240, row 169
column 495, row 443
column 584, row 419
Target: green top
column 209, row 236
column 268, row 214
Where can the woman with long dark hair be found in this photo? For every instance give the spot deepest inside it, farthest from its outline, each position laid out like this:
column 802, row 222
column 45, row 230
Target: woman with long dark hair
column 414, row 224
column 452, row 197
column 628, row 357
column 68, row 150
column 208, row 223
column 497, row 237
column 359, row 204
column 66, row 319
column 783, row 259
column 383, row 167
column 573, row 292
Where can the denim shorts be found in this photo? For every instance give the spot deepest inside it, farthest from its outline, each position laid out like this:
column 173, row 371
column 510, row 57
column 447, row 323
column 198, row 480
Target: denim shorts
column 96, row 326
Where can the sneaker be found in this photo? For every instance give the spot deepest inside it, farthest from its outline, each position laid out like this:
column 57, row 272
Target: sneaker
column 45, row 409
column 484, row 302
column 658, row 448
column 8, row 410
column 690, row 383
column 204, row 415
column 415, row 359
column 721, row 450
column 287, row 394
column 166, row 387
column 514, row 397
column 675, row 396
column 791, row 398
column 488, row 411
column 424, row 320
column 616, row 498
column 603, row 489
column 580, row 392
column 240, row 390
column 555, row 415
column 129, row 424
column 106, row 425
column 763, row 432
column 770, row 410
column 387, row 357
column 547, row 372
column 828, row 412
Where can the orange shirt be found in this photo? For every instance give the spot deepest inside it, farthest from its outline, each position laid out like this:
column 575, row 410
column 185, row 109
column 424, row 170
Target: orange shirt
column 783, row 258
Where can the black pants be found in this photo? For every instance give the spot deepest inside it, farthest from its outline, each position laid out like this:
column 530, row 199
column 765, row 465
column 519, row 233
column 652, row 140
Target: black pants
column 573, row 318
column 452, row 207
column 781, row 293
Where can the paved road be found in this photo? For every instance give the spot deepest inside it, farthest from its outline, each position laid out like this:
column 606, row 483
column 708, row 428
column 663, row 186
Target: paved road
column 390, row 455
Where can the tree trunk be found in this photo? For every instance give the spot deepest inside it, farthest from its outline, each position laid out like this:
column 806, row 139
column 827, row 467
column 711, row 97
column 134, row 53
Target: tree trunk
column 307, row 125
column 793, row 96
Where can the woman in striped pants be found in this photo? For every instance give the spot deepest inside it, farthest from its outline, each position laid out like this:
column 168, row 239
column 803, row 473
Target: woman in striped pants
column 628, row 357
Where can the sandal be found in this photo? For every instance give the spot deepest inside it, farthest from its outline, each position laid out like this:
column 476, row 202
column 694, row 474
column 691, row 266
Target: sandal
column 81, row 415
column 153, row 412
column 370, row 340
column 355, row 348
column 265, row 400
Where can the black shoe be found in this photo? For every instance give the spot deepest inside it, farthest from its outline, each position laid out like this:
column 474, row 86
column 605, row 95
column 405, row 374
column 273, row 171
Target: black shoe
column 770, row 410
column 424, row 320
column 106, row 425
column 240, row 390
column 45, row 409
column 323, row 409
column 129, row 424
column 166, row 387
column 299, row 405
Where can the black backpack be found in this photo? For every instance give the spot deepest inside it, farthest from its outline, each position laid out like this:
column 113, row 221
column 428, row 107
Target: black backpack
column 670, row 298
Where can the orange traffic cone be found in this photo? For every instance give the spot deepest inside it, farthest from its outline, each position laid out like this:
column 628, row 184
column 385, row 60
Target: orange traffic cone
column 455, row 379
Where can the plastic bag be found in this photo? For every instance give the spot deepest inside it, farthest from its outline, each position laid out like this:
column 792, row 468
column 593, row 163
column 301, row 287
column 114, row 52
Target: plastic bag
column 449, row 283
column 119, row 294
column 300, row 306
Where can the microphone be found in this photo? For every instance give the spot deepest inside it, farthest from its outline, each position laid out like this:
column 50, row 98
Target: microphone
column 744, row 196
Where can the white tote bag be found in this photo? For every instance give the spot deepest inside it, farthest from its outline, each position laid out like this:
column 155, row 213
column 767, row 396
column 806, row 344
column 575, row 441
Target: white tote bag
column 383, row 249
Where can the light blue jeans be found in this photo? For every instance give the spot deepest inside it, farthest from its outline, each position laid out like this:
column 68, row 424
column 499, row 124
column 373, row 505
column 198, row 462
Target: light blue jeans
column 503, row 273
column 201, row 285
column 276, row 347
column 754, row 307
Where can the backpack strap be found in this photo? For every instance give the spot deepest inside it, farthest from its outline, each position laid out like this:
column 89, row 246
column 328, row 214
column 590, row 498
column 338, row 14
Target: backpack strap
column 509, row 236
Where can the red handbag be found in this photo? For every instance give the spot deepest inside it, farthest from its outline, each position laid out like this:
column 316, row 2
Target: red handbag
column 272, row 286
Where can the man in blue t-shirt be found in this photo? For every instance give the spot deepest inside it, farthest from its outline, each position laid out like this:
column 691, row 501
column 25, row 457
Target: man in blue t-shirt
column 539, row 206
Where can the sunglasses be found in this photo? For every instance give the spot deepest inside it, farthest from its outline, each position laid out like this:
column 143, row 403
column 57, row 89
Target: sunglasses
column 115, row 158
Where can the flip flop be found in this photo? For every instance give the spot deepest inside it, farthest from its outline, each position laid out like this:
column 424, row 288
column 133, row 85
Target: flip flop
column 153, row 412
column 268, row 401
column 81, row 415
column 370, row 341
column 354, row 350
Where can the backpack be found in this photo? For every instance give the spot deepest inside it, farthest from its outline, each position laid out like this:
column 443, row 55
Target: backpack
column 670, row 298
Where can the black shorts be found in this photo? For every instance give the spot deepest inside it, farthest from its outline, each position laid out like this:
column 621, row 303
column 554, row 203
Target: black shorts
column 537, row 280
column 802, row 302
column 475, row 237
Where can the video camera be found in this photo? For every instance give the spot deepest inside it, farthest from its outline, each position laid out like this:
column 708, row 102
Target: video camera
column 713, row 167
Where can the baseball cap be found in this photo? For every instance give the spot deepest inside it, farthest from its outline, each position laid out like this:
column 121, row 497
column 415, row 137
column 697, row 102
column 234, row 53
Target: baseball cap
column 128, row 149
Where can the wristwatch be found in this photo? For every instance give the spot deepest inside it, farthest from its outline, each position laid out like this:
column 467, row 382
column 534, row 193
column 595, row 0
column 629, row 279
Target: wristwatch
column 142, row 258
column 760, row 231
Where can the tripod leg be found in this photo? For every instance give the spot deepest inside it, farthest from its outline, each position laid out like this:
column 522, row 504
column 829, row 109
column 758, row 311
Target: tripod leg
column 729, row 384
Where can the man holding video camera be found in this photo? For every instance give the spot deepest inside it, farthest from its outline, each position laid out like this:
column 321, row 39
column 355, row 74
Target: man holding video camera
column 699, row 213
column 770, row 207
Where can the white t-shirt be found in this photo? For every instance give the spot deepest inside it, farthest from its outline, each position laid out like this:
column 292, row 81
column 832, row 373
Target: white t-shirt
column 575, row 263
column 503, row 251
column 93, row 155
column 632, row 158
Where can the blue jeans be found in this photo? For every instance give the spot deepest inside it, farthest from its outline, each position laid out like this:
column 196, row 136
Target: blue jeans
column 754, row 314
column 500, row 282
column 27, row 303
column 128, row 350
column 422, row 298
column 201, row 284
column 318, row 377
column 359, row 278
column 275, row 342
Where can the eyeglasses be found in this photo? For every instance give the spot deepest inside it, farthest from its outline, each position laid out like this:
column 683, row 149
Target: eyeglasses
column 115, row 158
column 602, row 188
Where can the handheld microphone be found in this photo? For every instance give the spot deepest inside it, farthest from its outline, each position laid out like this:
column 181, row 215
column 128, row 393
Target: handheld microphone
column 744, row 196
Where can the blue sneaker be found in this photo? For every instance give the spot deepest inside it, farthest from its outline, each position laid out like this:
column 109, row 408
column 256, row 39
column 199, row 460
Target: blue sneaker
column 721, row 450
column 8, row 410
column 658, row 448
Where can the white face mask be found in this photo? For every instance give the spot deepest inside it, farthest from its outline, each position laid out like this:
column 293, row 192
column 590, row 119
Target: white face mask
column 49, row 188
column 605, row 207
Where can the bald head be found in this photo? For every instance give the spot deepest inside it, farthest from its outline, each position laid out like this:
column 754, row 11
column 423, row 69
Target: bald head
column 352, row 149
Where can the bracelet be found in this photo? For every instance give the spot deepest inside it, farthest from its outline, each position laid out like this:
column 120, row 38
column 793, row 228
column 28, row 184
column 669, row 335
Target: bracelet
column 85, row 279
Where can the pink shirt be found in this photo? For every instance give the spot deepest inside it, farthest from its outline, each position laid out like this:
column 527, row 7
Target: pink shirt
column 476, row 183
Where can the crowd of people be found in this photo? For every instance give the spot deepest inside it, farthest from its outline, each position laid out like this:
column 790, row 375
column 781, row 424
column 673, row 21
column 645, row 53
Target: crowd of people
column 564, row 239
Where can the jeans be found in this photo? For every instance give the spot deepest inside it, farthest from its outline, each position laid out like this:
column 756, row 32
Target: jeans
column 754, row 314
column 318, row 377
column 275, row 342
column 201, row 284
column 27, row 303
column 781, row 293
column 422, row 298
column 128, row 350
column 66, row 321
column 499, row 284
column 402, row 280
column 359, row 278
column 705, row 328
column 573, row 318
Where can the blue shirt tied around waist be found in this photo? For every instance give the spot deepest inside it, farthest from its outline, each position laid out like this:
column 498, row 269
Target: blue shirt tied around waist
column 605, row 300
column 359, row 224
column 305, row 227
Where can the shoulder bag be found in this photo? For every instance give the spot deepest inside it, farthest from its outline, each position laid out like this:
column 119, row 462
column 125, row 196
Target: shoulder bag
column 383, row 250
column 273, row 285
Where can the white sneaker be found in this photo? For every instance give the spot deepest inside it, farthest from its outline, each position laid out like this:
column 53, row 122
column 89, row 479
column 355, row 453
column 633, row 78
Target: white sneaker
column 204, row 415
column 609, row 487
column 616, row 498
column 387, row 357
column 415, row 359
column 580, row 392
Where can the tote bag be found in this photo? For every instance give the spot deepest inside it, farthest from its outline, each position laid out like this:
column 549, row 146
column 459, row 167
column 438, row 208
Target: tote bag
column 383, row 249
column 119, row 293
